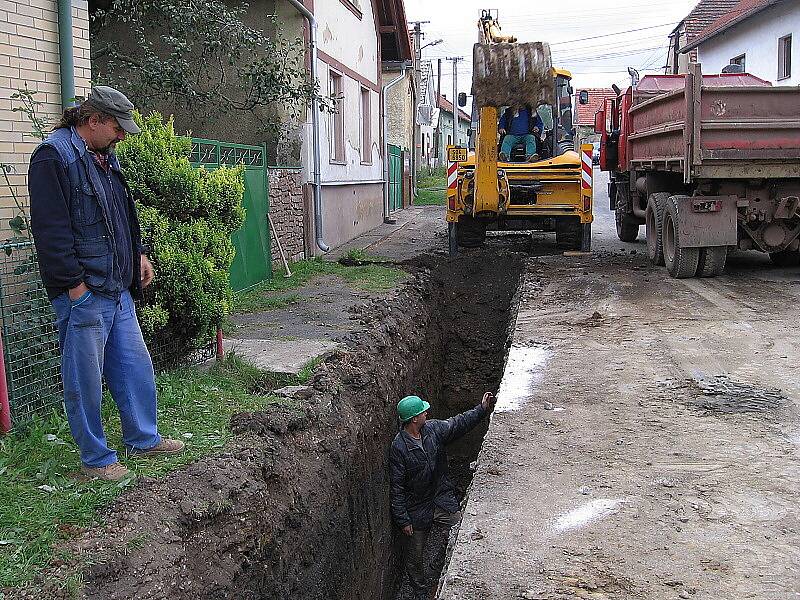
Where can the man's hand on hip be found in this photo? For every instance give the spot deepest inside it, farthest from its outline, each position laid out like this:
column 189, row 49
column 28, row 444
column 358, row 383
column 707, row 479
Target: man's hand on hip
column 78, row 291
column 147, row 272
column 408, row 530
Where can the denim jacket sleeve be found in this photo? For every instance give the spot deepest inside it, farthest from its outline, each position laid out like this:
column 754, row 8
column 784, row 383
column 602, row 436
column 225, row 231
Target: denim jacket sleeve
column 48, row 187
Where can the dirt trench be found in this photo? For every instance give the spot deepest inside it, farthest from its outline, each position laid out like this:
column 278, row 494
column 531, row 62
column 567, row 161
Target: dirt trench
column 297, row 505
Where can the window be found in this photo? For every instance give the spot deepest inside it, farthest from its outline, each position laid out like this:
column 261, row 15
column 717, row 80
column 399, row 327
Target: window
column 337, row 118
column 739, row 60
column 785, row 57
column 366, row 126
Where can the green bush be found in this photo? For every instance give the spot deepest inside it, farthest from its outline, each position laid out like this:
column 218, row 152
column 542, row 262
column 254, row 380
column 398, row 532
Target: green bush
column 187, row 216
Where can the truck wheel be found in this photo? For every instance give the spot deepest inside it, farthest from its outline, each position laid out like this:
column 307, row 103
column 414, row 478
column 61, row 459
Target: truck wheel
column 627, row 226
column 654, row 223
column 785, row 258
column 470, row 233
column 681, row 262
column 452, row 238
column 712, row 261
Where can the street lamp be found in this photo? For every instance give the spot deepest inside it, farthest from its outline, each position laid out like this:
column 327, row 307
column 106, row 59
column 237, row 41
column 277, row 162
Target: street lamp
column 433, row 43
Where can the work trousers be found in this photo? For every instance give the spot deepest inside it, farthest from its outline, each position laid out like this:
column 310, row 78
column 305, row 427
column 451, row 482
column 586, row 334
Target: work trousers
column 415, row 552
column 509, row 141
column 100, row 338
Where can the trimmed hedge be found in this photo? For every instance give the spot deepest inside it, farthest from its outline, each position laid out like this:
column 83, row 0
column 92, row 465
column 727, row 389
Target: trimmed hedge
column 187, row 216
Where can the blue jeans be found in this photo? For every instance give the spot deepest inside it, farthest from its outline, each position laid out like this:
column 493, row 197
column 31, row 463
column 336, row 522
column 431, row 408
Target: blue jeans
column 100, row 337
column 509, row 141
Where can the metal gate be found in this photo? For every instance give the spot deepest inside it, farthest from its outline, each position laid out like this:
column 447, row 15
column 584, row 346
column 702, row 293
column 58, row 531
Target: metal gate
column 253, row 261
column 395, row 178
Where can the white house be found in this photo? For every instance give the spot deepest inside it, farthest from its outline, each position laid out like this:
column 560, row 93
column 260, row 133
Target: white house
column 760, row 35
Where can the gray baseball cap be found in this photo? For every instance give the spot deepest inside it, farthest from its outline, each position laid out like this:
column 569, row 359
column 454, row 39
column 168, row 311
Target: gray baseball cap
column 114, row 103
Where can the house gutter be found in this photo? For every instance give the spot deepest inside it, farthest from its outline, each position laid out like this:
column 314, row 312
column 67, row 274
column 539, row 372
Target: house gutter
column 65, row 53
column 312, row 23
column 385, row 131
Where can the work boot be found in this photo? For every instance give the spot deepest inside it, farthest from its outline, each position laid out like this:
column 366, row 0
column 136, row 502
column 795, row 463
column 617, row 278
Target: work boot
column 113, row 472
column 166, row 447
column 503, row 157
column 532, row 158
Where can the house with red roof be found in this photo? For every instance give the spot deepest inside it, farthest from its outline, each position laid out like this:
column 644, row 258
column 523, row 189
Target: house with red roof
column 687, row 31
column 760, row 35
column 587, row 102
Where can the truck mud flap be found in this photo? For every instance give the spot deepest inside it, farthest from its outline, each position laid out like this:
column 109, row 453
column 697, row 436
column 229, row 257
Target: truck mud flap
column 707, row 221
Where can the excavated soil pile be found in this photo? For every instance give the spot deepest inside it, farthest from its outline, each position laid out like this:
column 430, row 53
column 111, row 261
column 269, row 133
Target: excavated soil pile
column 297, row 505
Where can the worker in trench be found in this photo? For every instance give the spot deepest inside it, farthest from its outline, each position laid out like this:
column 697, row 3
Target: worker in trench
column 421, row 491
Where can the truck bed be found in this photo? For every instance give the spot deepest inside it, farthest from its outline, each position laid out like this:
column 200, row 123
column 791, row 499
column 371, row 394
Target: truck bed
column 720, row 126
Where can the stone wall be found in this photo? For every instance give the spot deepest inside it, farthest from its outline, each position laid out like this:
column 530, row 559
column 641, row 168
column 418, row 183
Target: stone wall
column 286, row 210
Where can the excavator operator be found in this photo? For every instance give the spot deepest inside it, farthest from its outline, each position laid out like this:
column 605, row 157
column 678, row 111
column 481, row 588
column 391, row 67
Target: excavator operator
column 520, row 125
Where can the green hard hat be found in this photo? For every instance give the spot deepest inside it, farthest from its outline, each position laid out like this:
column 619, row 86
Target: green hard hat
column 411, row 406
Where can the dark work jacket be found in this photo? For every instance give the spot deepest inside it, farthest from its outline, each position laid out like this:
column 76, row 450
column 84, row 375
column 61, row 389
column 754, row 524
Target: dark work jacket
column 72, row 226
column 419, row 480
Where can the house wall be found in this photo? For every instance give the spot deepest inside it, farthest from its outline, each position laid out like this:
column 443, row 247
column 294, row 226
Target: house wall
column 757, row 38
column 29, row 57
column 286, row 211
column 446, row 129
column 400, row 109
column 350, row 210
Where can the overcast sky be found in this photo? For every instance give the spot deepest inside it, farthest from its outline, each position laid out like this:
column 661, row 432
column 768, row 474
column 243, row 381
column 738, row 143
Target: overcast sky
column 596, row 62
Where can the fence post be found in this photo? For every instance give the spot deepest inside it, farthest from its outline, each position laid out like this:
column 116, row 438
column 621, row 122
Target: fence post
column 5, row 407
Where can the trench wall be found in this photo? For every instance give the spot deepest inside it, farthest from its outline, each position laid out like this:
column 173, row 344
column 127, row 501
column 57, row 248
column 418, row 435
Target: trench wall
column 297, row 505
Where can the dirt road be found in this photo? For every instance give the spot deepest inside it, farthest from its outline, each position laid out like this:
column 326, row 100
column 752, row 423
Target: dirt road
column 647, row 436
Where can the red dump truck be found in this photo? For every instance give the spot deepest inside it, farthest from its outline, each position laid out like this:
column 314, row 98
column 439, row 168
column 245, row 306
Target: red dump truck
column 707, row 163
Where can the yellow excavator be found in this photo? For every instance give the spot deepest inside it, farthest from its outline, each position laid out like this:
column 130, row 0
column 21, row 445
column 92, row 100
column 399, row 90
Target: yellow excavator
column 549, row 190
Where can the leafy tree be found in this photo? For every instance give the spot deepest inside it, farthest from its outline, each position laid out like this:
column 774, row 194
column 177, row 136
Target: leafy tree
column 200, row 55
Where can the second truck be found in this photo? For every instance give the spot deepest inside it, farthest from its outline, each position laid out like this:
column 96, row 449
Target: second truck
column 707, row 163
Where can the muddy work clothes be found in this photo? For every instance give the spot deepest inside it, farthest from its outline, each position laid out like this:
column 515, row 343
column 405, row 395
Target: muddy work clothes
column 415, row 551
column 419, row 478
column 100, row 338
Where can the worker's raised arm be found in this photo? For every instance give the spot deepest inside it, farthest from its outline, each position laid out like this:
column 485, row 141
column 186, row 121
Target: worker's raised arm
column 462, row 424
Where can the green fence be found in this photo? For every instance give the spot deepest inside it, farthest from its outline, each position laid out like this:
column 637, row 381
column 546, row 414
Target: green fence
column 253, row 261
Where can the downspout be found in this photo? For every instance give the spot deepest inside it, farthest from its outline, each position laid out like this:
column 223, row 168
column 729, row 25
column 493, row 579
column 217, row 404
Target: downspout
column 385, row 131
column 312, row 24
column 65, row 53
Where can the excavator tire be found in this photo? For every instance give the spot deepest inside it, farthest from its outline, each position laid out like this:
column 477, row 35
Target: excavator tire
column 785, row 258
column 571, row 234
column 681, row 262
column 712, row 261
column 470, row 233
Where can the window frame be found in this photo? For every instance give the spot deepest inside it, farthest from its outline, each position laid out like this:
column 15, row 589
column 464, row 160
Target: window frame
column 337, row 121
column 784, row 57
column 365, row 99
column 740, row 60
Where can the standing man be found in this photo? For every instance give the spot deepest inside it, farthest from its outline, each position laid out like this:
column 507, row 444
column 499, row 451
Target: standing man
column 520, row 125
column 92, row 262
column 421, row 491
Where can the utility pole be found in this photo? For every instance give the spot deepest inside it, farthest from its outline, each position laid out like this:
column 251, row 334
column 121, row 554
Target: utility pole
column 455, row 60
column 437, row 132
column 416, row 158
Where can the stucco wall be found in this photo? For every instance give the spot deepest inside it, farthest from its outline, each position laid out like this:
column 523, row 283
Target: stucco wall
column 29, row 57
column 400, row 110
column 757, row 38
column 350, row 210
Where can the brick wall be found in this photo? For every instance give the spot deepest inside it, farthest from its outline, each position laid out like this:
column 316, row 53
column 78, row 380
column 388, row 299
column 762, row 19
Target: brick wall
column 286, row 210
column 29, row 56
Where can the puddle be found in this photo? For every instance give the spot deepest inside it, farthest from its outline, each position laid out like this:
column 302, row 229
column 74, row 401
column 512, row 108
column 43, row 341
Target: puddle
column 523, row 371
column 588, row 513
column 722, row 394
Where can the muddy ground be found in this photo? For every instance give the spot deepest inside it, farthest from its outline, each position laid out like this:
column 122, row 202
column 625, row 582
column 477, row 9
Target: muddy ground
column 646, row 443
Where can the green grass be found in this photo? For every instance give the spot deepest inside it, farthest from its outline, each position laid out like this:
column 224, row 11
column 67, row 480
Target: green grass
column 41, row 503
column 371, row 277
column 249, row 303
column 431, row 189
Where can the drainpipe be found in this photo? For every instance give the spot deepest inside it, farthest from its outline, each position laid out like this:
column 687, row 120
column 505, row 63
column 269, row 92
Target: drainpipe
column 385, row 131
column 65, row 54
column 312, row 24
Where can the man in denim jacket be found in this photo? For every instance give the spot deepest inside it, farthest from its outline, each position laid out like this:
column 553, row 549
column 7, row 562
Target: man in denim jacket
column 92, row 262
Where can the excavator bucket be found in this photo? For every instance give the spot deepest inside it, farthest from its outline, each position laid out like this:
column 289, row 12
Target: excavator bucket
column 512, row 74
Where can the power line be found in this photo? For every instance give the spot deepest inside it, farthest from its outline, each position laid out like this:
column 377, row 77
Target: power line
column 605, row 35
